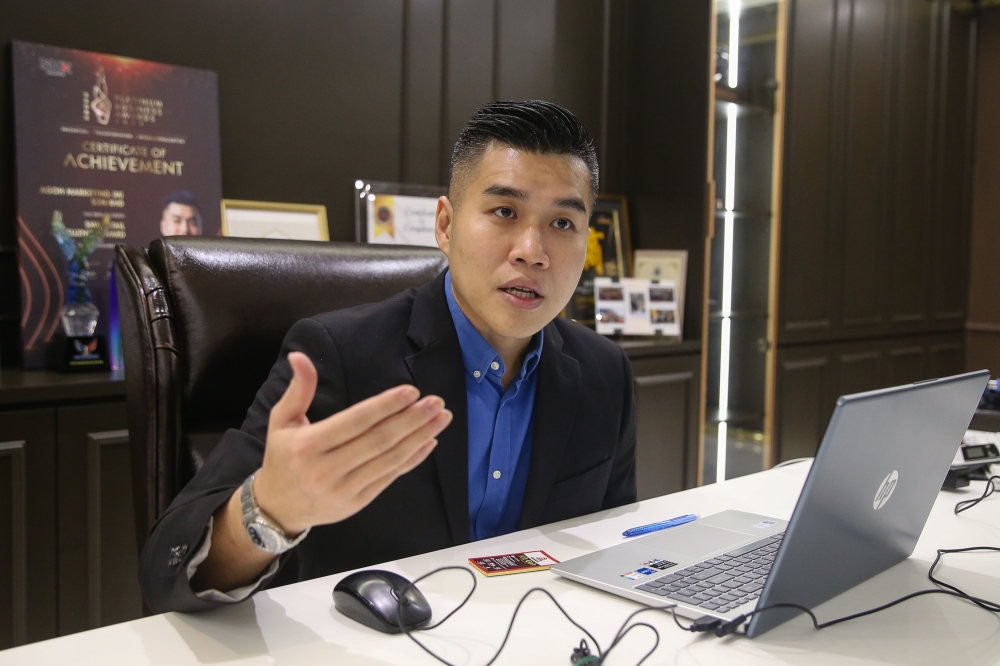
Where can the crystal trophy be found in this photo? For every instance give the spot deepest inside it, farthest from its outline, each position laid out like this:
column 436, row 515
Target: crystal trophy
column 75, row 346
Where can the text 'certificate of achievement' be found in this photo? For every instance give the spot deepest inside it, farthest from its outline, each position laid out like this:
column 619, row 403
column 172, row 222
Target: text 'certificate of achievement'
column 394, row 219
column 634, row 306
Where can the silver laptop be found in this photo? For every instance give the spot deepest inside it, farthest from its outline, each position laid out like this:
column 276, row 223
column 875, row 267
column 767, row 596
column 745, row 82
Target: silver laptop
column 876, row 475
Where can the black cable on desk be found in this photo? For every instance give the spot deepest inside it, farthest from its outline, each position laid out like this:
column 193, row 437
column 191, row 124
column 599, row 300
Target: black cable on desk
column 724, row 628
column 719, row 627
column 965, row 505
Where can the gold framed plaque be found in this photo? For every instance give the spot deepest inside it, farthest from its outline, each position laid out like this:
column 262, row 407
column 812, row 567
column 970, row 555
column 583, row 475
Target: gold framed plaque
column 263, row 219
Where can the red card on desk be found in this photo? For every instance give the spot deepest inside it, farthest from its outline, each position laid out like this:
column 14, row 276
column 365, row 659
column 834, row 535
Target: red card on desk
column 499, row 565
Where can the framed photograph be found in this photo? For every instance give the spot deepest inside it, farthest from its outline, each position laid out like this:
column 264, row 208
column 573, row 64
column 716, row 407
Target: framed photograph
column 395, row 213
column 609, row 255
column 665, row 265
column 263, row 219
column 635, row 306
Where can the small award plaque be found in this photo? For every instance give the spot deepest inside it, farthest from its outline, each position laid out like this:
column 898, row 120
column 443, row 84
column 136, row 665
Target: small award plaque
column 74, row 347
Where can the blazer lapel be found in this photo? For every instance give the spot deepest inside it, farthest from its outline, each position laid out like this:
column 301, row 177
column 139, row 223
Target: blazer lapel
column 556, row 401
column 437, row 369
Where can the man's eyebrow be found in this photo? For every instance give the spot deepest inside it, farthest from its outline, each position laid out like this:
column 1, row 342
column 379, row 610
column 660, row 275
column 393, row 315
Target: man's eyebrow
column 573, row 203
column 506, row 191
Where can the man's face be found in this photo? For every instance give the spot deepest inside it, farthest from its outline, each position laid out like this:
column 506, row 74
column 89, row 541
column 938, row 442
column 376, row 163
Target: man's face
column 180, row 220
column 516, row 243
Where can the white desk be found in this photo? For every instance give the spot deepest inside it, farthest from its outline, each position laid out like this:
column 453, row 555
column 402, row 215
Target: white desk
column 298, row 625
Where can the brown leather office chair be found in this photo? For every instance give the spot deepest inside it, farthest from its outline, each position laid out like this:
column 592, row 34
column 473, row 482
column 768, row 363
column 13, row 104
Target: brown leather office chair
column 202, row 323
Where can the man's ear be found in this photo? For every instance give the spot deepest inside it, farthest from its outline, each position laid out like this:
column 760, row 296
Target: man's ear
column 442, row 224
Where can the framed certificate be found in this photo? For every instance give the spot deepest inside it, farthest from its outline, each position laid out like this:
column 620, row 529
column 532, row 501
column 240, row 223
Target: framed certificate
column 396, row 213
column 665, row 265
column 262, row 219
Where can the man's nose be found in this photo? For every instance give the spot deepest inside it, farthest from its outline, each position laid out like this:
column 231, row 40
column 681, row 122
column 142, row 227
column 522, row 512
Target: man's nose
column 529, row 248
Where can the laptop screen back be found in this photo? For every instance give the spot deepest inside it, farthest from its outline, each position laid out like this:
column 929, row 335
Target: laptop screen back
column 876, row 476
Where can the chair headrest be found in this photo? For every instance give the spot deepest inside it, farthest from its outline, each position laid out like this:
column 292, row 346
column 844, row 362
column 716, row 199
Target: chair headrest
column 235, row 299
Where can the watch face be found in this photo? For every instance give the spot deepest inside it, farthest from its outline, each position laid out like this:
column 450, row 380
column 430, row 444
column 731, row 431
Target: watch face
column 263, row 538
column 256, row 537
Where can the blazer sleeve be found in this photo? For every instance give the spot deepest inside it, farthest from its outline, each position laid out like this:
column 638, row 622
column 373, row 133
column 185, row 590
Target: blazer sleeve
column 621, row 484
column 178, row 534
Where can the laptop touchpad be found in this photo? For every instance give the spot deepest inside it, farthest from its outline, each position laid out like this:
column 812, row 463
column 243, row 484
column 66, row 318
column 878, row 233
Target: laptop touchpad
column 696, row 540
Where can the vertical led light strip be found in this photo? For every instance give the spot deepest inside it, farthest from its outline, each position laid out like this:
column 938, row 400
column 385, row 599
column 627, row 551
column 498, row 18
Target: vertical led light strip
column 727, row 247
column 727, row 294
column 734, row 41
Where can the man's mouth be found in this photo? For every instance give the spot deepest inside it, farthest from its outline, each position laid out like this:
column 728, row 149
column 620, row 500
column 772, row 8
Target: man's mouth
column 521, row 292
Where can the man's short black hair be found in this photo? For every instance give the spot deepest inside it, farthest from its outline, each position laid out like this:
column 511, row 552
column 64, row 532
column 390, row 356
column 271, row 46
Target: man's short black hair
column 184, row 198
column 534, row 126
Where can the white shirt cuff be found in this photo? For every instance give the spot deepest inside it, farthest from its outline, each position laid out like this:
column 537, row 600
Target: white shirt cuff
column 233, row 596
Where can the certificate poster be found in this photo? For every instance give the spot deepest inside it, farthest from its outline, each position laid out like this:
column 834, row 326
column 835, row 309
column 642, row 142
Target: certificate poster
column 99, row 135
column 401, row 220
column 634, row 306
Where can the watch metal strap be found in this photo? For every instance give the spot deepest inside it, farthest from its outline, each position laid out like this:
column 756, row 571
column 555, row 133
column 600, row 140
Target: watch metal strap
column 262, row 532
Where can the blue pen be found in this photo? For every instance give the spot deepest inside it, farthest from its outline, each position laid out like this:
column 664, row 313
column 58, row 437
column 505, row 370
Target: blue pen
column 656, row 527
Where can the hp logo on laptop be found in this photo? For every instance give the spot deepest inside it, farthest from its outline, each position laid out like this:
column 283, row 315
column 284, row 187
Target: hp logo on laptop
column 885, row 490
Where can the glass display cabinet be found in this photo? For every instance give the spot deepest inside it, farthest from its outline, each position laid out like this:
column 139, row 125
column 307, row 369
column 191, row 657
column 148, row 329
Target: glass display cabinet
column 742, row 249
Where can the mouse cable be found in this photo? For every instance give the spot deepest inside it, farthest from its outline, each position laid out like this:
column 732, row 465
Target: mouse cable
column 581, row 655
column 724, row 628
column 965, row 505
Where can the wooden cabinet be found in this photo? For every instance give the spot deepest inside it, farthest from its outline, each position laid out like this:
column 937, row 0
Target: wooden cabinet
column 810, row 378
column 67, row 544
column 667, row 395
column 28, row 581
column 98, row 564
column 875, row 218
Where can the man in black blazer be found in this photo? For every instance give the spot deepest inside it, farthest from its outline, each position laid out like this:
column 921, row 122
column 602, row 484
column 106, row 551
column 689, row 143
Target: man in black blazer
column 340, row 461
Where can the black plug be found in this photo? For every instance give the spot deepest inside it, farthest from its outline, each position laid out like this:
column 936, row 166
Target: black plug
column 705, row 623
column 724, row 629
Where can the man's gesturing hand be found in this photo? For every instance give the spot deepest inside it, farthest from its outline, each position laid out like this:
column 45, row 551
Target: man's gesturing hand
column 324, row 472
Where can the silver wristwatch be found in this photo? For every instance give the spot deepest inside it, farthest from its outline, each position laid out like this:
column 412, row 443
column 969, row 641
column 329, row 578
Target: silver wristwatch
column 262, row 532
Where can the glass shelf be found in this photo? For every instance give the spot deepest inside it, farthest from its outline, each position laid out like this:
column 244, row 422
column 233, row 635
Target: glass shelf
column 738, row 302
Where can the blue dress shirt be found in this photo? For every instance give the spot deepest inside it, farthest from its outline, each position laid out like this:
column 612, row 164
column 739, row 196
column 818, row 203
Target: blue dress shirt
column 500, row 427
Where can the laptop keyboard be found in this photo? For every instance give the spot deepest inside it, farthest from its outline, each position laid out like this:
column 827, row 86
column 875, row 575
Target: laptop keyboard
column 722, row 583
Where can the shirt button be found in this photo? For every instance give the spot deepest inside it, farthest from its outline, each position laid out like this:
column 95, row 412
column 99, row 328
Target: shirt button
column 476, row 374
column 495, row 365
column 496, row 474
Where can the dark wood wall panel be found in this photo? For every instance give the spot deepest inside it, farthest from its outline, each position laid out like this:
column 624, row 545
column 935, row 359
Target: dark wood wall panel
column 858, row 371
column 983, row 335
column 665, row 167
column 75, row 426
column 667, row 392
column 876, row 215
column 13, row 545
column 579, row 69
column 865, row 165
column 113, row 564
column 810, row 378
column 469, row 71
column 806, row 227
column 423, row 50
column 525, row 65
column 911, row 194
column 28, row 584
column 801, row 391
column 951, row 221
column 906, row 364
column 946, row 358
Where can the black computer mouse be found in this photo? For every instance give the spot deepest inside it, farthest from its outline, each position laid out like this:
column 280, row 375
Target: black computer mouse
column 382, row 600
